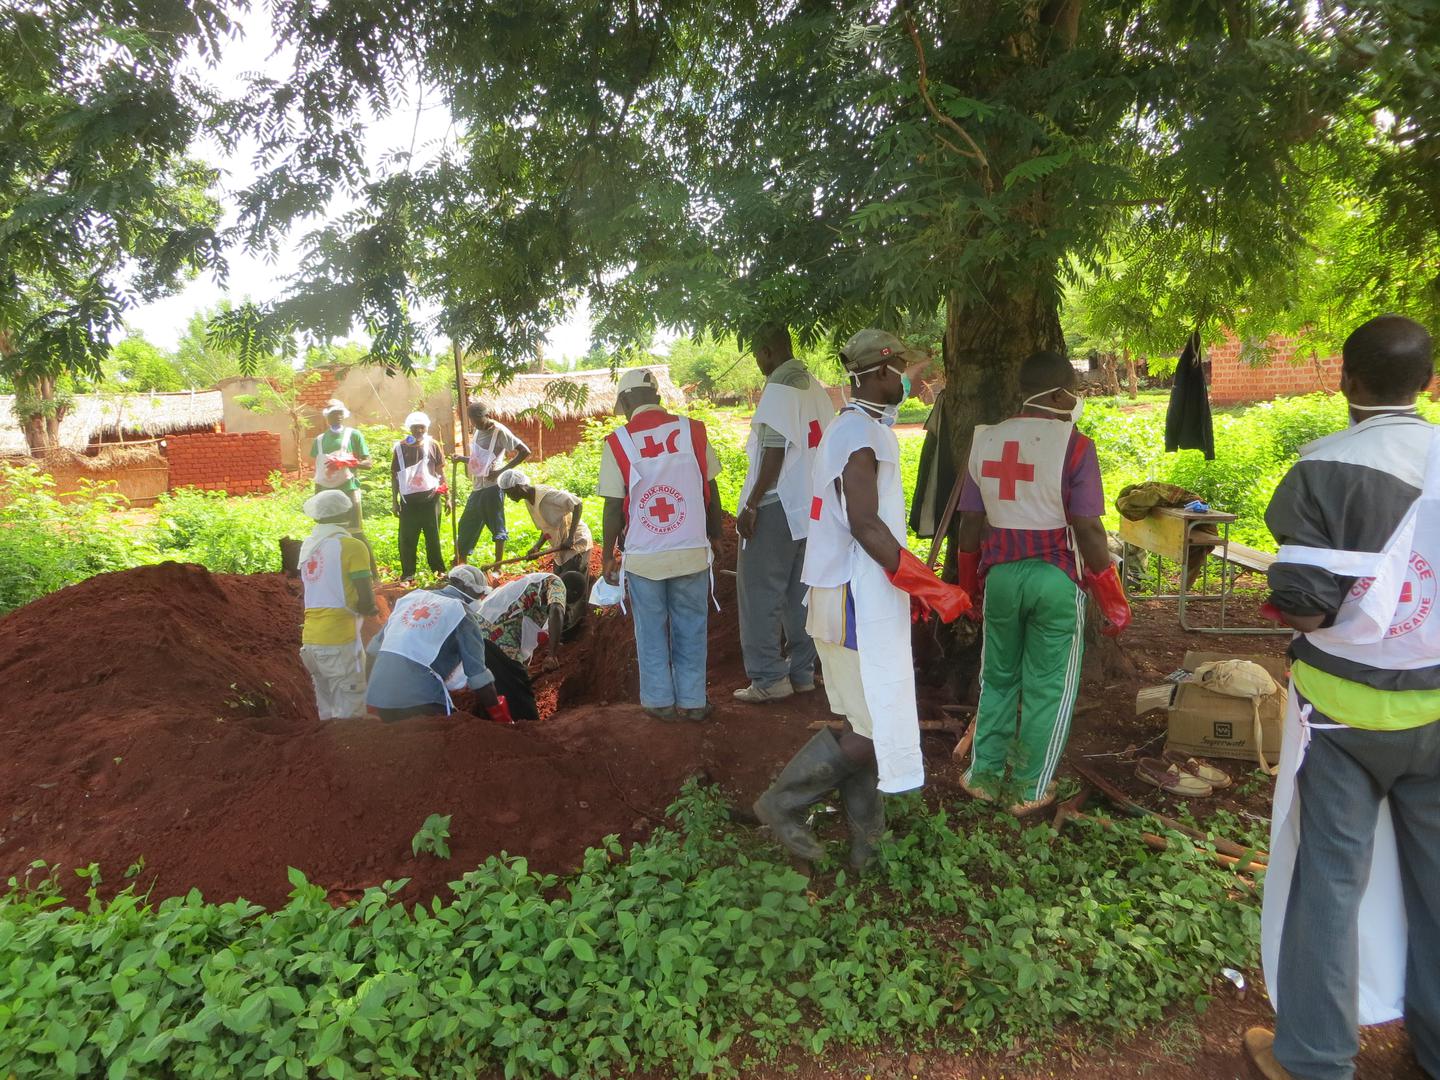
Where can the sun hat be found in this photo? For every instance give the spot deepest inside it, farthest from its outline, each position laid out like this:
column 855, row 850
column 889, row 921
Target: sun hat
column 417, row 418
column 335, row 405
column 635, row 379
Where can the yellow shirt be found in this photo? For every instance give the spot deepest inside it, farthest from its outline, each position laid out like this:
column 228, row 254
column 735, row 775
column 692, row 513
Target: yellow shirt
column 1359, row 706
column 336, row 626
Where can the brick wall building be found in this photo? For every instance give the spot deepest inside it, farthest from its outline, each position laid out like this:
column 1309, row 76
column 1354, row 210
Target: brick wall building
column 544, row 442
column 235, row 463
column 1233, row 381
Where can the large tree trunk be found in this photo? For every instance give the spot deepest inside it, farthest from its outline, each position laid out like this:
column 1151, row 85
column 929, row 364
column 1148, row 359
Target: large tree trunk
column 41, row 424
column 1107, row 371
column 1132, row 377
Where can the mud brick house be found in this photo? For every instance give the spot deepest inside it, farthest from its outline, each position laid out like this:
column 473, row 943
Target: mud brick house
column 520, row 403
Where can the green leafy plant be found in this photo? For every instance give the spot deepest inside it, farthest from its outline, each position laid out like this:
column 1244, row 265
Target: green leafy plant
column 433, row 837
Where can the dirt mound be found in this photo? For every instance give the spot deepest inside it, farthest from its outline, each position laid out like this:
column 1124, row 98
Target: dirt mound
column 163, row 713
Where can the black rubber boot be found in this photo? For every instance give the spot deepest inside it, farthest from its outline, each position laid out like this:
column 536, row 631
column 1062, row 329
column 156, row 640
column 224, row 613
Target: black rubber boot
column 819, row 767
column 865, row 807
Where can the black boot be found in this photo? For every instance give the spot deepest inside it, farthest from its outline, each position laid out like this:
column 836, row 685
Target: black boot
column 819, row 767
column 865, row 807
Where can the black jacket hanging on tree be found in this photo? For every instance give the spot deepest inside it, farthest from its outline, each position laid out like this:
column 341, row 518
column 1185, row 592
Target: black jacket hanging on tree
column 1188, row 425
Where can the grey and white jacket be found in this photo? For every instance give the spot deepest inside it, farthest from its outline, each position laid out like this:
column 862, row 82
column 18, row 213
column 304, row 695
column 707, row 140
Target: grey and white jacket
column 1349, row 492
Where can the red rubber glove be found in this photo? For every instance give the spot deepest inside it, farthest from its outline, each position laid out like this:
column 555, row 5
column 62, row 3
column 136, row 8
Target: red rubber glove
column 344, row 461
column 932, row 594
column 499, row 713
column 1269, row 611
column 968, row 563
column 1109, row 594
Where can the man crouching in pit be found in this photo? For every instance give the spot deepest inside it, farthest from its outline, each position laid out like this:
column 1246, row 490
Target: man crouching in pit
column 859, row 573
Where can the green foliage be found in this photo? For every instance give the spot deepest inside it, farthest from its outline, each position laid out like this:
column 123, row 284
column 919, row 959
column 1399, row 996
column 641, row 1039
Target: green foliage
column 46, row 544
column 1254, row 448
column 230, row 535
column 139, row 366
column 433, row 837
column 714, row 367
column 978, row 932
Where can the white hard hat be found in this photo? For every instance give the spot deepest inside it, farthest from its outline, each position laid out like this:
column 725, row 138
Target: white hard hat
column 324, row 505
column 471, row 579
column 417, row 418
column 335, row 405
column 511, row 478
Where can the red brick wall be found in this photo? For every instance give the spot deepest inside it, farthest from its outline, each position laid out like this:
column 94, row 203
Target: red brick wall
column 317, row 393
column 1233, row 381
column 238, row 464
column 543, row 441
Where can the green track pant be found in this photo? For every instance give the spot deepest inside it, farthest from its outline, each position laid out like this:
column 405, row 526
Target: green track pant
column 1034, row 642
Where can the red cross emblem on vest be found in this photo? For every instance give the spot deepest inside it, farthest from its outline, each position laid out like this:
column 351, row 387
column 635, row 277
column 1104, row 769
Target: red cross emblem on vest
column 650, row 448
column 663, row 509
column 1009, row 470
column 812, row 438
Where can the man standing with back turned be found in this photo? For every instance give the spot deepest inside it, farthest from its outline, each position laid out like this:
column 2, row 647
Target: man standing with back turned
column 860, row 572
column 1350, row 931
column 773, row 520
column 1032, row 491
column 657, row 475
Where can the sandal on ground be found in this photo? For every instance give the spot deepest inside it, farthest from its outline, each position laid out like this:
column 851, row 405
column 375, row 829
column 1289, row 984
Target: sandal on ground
column 1260, row 1049
column 1031, row 806
column 1168, row 777
column 974, row 790
column 1216, row 778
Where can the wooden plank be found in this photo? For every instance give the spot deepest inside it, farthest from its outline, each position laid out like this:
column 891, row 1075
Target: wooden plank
column 1248, row 557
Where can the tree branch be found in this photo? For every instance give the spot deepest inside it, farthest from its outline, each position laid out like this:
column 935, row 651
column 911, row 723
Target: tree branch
column 923, row 84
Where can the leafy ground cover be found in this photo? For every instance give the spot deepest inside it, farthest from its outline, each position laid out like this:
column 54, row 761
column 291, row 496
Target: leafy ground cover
column 693, row 952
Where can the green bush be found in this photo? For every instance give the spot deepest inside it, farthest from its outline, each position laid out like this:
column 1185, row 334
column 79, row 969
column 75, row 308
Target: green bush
column 46, row 544
column 672, row 958
column 229, row 534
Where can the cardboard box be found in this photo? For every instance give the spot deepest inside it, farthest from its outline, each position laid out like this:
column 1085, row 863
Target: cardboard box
column 1207, row 724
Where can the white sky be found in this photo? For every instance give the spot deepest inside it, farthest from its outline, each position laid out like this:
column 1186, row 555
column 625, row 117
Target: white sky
column 253, row 276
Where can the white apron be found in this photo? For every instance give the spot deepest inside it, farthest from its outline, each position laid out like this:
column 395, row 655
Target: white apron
column 882, row 612
column 416, row 479
column 323, row 578
column 1387, row 621
column 482, row 457
column 334, row 476
column 492, row 610
column 419, row 627
column 1019, row 467
column 802, row 417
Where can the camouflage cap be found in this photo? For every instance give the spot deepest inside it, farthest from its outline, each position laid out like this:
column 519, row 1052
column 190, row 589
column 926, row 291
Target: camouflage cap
column 868, row 348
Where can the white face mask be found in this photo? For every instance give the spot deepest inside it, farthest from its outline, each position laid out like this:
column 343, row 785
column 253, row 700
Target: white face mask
column 886, row 414
column 1072, row 415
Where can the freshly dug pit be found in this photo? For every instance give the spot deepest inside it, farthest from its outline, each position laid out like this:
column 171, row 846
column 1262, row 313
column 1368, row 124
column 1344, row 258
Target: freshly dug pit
column 162, row 713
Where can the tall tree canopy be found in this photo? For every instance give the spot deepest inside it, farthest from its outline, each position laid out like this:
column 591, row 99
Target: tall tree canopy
column 833, row 163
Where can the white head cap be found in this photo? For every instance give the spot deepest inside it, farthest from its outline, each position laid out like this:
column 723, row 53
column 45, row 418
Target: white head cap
column 324, row 505
column 511, row 478
column 336, row 405
column 634, row 379
column 471, row 579
column 416, row 419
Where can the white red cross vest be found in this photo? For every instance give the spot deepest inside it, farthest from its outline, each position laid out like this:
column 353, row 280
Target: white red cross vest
column 482, row 457
column 417, row 479
column 802, row 417
column 830, row 545
column 334, row 476
column 420, row 625
column 1019, row 467
column 1390, row 618
column 666, row 492
column 321, row 573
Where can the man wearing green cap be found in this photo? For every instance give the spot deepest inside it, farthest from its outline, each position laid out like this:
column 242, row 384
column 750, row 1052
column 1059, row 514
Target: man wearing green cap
column 863, row 582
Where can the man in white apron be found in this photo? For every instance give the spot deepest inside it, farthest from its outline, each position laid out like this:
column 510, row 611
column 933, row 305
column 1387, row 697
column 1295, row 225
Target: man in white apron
column 1350, row 932
column 773, row 520
column 1032, row 497
column 485, row 506
column 417, row 476
column 430, row 645
column 662, row 511
column 557, row 514
column 335, row 573
column 862, row 582
column 339, row 452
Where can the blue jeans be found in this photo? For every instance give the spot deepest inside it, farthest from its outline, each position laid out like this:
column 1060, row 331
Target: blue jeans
column 671, row 620
column 484, row 509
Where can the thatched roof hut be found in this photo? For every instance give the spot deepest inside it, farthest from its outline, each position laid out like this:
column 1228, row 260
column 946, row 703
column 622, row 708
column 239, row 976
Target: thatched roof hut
column 96, row 419
column 525, row 395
